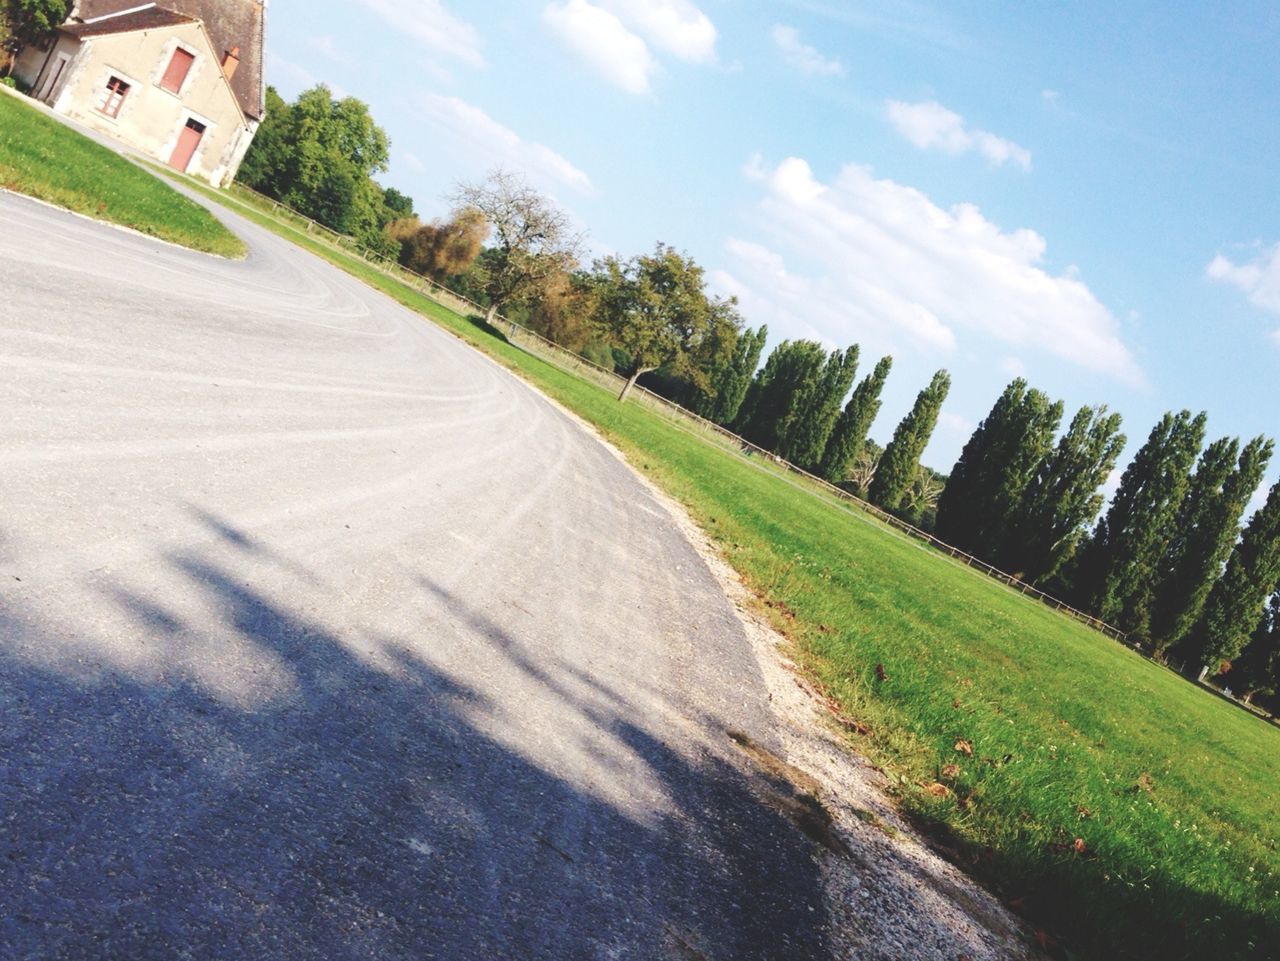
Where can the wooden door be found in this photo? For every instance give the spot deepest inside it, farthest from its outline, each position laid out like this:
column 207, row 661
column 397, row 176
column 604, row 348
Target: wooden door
column 188, row 141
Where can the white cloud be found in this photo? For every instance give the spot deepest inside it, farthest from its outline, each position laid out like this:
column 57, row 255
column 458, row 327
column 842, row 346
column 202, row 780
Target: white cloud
column 1051, row 97
column 892, row 265
column 491, row 144
column 955, row 425
column 1013, row 366
column 428, row 22
column 1258, row 279
column 674, row 26
column 614, row 37
column 930, row 125
column 412, row 161
column 601, row 39
column 803, row 57
column 293, row 78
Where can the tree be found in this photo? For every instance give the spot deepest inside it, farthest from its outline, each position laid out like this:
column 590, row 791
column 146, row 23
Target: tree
column 901, row 457
column 1236, row 602
column 443, row 249
column 1063, row 498
column 1207, row 526
column 1120, row 567
column 23, row 22
column 532, row 238
column 862, row 469
column 850, row 431
column 999, row 462
column 772, row 399
column 398, row 205
column 1257, row 670
column 564, row 310
column 816, row 409
column 658, row 312
column 319, row 155
column 730, row 379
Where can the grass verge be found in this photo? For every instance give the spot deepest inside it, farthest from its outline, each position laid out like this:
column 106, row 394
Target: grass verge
column 1125, row 812
column 46, row 159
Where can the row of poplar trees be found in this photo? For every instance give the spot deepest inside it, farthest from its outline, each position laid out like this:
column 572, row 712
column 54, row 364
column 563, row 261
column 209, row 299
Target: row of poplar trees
column 1167, row 564
column 795, row 407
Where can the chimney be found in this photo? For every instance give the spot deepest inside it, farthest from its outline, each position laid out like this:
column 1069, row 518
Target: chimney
column 230, row 62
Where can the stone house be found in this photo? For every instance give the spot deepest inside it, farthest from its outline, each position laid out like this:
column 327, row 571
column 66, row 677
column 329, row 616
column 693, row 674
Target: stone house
column 179, row 80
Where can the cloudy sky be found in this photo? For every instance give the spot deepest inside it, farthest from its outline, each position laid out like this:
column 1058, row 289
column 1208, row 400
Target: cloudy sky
column 1083, row 194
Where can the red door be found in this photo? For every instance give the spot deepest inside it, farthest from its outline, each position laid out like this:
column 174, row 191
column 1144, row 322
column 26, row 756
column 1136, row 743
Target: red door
column 188, row 141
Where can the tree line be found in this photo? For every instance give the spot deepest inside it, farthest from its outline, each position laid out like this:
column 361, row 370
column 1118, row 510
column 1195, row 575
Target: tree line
column 1167, row 563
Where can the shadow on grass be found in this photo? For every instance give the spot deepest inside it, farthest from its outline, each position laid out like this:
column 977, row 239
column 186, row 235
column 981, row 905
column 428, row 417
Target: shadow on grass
column 350, row 809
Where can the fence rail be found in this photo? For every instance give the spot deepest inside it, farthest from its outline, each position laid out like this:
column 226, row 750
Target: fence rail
column 534, row 343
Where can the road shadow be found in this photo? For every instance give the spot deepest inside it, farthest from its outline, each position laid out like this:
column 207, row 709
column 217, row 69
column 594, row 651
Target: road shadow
column 360, row 811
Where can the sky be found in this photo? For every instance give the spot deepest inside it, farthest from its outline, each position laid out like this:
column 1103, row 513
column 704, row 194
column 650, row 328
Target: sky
column 1080, row 194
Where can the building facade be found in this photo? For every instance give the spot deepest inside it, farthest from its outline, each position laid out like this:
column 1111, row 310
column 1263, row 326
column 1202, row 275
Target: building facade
column 179, row 81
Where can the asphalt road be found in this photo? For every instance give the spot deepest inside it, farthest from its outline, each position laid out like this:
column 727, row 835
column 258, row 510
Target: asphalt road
column 323, row 637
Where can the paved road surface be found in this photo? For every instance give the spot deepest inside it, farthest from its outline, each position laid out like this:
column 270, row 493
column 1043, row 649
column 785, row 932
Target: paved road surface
column 323, row 637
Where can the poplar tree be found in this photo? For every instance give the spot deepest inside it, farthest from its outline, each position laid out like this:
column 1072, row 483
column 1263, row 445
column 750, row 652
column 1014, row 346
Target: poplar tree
column 850, row 431
column 1123, row 560
column 1257, row 670
column 1063, row 499
column 771, row 401
column 901, row 458
column 1236, row 602
column 1207, row 527
column 1000, row 460
column 816, row 410
column 731, row 380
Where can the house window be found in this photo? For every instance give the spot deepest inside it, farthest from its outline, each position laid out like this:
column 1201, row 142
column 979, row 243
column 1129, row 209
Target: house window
column 177, row 71
column 113, row 97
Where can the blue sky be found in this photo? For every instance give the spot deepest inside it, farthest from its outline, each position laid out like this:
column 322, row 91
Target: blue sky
column 1084, row 194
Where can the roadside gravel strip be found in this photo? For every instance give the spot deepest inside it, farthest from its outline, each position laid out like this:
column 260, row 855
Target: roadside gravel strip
column 322, row 636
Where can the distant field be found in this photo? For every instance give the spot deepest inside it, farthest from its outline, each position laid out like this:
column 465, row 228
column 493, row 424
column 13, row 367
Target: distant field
column 48, row 160
column 1127, row 813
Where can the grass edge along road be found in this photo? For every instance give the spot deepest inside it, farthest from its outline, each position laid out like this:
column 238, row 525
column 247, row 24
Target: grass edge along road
column 1124, row 811
column 43, row 158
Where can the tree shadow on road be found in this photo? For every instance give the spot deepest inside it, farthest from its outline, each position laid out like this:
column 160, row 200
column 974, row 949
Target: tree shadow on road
column 360, row 811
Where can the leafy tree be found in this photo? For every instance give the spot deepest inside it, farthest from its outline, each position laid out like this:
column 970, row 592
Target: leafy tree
column 920, row 502
column 657, row 309
column 897, row 468
column 563, row 311
column 1236, row 602
column 731, row 378
column 1120, row 568
column 817, row 408
column 1207, row 526
column 532, row 238
column 1257, row 670
column 999, row 462
column 318, row 155
column 772, row 400
column 850, row 431
column 23, row 22
column 443, row 249
column 398, row 205
column 1063, row 498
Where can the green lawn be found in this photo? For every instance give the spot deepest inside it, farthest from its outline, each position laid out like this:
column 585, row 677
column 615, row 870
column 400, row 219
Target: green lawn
column 1126, row 812
column 46, row 159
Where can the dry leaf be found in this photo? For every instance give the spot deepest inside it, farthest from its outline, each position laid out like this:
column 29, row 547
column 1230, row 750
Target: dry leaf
column 1080, row 846
column 951, row 771
column 880, row 674
column 938, row 790
column 964, row 747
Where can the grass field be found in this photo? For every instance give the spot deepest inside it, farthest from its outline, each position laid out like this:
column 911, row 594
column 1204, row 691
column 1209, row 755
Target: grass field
column 1127, row 813
column 45, row 159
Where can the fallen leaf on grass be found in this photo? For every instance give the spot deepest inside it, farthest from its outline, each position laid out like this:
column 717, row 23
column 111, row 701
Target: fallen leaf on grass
column 951, row 771
column 1080, row 847
column 880, row 674
column 938, row 790
column 964, row 747
column 1146, row 783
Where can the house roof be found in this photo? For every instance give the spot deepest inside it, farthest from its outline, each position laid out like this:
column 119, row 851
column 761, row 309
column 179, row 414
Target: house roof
column 147, row 19
column 229, row 23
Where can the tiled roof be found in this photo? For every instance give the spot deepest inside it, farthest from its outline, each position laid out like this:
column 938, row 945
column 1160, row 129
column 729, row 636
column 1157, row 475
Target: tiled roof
column 230, row 24
column 148, row 19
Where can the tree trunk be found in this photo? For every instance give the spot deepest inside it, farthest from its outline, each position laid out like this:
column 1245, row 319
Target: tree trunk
column 490, row 314
column 631, row 382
